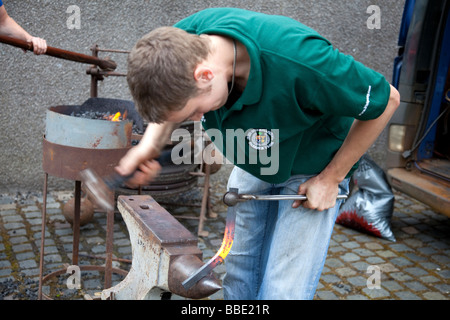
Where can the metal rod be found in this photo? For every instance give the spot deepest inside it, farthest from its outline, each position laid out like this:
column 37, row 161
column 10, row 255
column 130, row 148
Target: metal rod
column 63, row 54
column 104, row 258
column 94, row 78
column 76, row 222
column 43, row 217
column 113, row 50
column 231, row 198
column 109, row 244
column 280, row 197
column 204, row 206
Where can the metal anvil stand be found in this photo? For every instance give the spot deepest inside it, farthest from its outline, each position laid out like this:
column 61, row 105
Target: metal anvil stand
column 66, row 162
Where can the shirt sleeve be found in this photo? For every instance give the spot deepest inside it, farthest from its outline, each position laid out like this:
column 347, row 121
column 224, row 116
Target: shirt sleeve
column 348, row 88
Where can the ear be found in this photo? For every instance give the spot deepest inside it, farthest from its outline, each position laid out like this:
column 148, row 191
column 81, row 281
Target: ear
column 203, row 74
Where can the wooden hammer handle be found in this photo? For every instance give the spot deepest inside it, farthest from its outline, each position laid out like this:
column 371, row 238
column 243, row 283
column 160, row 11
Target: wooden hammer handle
column 63, row 54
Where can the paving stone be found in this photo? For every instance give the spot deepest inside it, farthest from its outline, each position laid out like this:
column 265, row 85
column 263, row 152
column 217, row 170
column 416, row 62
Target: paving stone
column 350, row 256
column 416, row 272
column 17, row 240
column 12, row 218
column 345, row 272
column 407, row 295
column 401, row 262
column 22, row 247
column 391, row 285
column 443, row 288
column 374, row 260
column 400, row 247
column 376, row 293
column 28, row 264
column 415, row 286
column 386, row 254
column 330, row 278
column 361, row 266
column 350, row 244
column 357, row 297
column 400, row 276
column 13, row 225
column 358, row 281
column 25, row 256
column 373, row 246
column 434, row 296
column 429, row 279
column 326, row 295
column 334, row 263
column 363, row 252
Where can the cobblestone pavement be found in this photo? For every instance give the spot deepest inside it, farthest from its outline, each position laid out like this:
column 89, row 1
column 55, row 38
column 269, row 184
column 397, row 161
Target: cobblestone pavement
column 415, row 267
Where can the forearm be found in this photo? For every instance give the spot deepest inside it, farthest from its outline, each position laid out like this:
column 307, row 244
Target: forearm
column 156, row 137
column 10, row 28
column 148, row 148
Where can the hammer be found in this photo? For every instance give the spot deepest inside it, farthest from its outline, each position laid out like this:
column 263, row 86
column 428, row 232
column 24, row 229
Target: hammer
column 100, row 189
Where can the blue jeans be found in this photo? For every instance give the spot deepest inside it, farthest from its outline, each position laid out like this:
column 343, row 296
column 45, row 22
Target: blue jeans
column 278, row 252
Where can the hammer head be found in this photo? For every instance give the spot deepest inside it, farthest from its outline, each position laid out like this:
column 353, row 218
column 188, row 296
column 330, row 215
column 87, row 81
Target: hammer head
column 97, row 190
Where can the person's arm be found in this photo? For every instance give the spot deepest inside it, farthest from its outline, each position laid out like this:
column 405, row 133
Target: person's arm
column 322, row 190
column 10, row 28
column 141, row 156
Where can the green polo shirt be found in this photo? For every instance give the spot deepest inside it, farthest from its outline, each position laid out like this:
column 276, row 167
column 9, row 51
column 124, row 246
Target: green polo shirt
column 301, row 97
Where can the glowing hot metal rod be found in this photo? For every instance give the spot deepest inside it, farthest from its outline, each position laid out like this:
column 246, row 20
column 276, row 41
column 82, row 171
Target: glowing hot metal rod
column 231, row 198
column 220, row 256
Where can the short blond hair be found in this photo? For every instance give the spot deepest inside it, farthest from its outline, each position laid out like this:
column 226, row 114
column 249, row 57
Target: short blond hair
column 161, row 71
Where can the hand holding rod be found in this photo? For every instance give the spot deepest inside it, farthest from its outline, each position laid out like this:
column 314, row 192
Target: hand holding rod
column 231, row 198
column 105, row 64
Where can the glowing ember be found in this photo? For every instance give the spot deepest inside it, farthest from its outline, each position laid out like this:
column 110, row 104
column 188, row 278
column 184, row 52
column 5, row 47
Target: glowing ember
column 98, row 115
column 116, row 117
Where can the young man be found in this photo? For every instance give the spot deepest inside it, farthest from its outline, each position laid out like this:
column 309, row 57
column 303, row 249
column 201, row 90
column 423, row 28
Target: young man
column 319, row 109
column 10, row 28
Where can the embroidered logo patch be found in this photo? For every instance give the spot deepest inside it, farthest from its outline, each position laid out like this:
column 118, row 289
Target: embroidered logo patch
column 260, row 139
